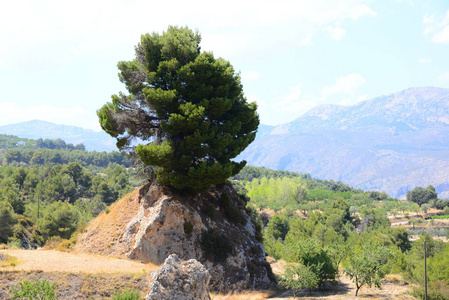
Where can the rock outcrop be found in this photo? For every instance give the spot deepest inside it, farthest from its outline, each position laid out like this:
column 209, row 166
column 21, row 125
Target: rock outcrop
column 213, row 228
column 177, row 280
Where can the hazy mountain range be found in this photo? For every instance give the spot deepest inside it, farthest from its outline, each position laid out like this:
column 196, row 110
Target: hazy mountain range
column 99, row 141
column 390, row 143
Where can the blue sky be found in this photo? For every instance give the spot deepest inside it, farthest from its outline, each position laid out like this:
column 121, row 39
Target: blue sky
column 58, row 58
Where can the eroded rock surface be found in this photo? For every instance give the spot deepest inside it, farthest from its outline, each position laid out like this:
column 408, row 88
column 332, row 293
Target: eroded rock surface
column 213, row 228
column 177, row 280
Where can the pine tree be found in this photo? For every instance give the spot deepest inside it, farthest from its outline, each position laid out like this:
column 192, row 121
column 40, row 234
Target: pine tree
column 185, row 107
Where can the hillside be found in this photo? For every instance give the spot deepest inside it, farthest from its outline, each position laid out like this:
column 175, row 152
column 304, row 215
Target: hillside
column 98, row 141
column 390, row 143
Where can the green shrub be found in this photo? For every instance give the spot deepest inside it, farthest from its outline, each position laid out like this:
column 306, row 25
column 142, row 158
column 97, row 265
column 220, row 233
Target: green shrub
column 126, row 295
column 431, row 294
column 438, row 217
column 34, row 290
column 232, row 211
column 188, row 227
column 209, row 210
column 255, row 218
column 215, row 245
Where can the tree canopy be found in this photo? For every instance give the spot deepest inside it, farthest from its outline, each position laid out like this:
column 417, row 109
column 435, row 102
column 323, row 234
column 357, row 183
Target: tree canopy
column 185, row 108
column 421, row 196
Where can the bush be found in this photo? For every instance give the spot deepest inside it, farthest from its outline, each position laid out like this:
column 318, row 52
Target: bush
column 256, row 220
column 126, row 295
column 298, row 277
column 232, row 211
column 188, row 227
column 7, row 221
column 29, row 290
column 215, row 245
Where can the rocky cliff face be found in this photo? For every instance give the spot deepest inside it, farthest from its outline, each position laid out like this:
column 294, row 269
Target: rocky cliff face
column 213, row 228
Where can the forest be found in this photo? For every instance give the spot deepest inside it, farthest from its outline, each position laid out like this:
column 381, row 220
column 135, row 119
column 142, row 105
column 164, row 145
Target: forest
column 49, row 190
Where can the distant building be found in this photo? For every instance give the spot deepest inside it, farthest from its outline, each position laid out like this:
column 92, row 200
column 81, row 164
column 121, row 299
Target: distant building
column 21, row 143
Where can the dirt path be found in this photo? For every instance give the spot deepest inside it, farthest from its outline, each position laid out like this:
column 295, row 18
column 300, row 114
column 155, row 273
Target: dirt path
column 56, row 261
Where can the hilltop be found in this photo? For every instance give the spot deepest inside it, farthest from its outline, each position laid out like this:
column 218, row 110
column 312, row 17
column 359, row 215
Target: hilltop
column 390, row 143
column 35, row 129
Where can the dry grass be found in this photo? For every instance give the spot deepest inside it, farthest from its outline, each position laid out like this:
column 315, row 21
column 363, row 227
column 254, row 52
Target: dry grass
column 103, row 233
column 55, row 261
column 8, row 261
column 77, row 276
column 393, row 287
column 243, row 296
column 77, row 285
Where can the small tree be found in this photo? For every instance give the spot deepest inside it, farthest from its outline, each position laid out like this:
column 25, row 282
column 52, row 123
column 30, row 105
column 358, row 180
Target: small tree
column 186, row 107
column 298, row 277
column 310, row 254
column 7, row 221
column 425, row 208
column 366, row 267
column 61, row 219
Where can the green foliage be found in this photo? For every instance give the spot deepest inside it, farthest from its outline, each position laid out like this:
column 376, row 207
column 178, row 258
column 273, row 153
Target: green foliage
column 278, row 227
column 127, row 295
column 34, row 290
column 298, row 277
column 60, row 219
column 188, row 227
column 248, row 173
column 437, row 266
column 256, row 220
column 442, row 203
column 421, row 196
column 186, row 106
column 7, row 221
column 438, row 217
column 232, row 211
column 62, row 156
column 367, row 265
column 317, row 259
column 215, row 245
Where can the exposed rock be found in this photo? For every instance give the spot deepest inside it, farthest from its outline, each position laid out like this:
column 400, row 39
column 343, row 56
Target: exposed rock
column 213, row 228
column 177, row 280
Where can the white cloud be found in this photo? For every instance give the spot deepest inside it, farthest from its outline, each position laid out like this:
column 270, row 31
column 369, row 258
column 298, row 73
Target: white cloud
column 442, row 37
column 50, row 34
column 11, row 113
column 336, row 33
column 296, row 101
column 437, row 28
column 346, row 85
column 425, row 60
column 361, row 10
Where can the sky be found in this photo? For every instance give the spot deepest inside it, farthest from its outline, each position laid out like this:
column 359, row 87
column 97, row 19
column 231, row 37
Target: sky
column 58, row 58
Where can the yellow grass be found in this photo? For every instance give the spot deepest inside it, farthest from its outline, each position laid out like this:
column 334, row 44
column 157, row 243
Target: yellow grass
column 56, row 261
column 8, row 261
column 243, row 296
column 103, row 233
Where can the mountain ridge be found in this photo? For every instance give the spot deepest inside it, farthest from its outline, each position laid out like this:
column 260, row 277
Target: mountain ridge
column 391, row 143
column 35, row 129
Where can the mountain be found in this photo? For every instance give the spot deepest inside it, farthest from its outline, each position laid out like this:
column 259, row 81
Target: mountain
column 390, row 143
column 98, row 141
